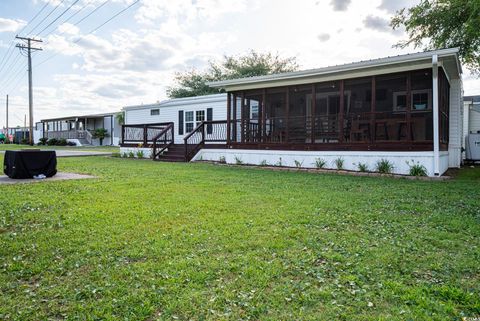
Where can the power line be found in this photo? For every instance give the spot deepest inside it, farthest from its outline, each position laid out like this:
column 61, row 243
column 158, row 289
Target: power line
column 48, row 15
column 116, row 15
column 71, row 16
column 31, row 20
column 59, row 16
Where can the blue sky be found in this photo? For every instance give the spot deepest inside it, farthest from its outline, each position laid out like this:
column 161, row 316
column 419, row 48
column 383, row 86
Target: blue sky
column 132, row 59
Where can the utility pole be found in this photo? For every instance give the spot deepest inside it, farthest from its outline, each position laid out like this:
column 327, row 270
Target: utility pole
column 28, row 46
column 7, row 134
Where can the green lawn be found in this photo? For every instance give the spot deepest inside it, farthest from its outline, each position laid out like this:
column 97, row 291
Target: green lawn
column 112, row 149
column 158, row 241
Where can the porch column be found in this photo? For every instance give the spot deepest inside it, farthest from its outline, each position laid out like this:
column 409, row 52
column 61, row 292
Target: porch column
column 229, row 105
column 436, row 141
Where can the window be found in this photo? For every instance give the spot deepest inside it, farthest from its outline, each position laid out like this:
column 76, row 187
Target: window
column 399, row 101
column 421, row 100
column 189, row 121
column 154, row 112
column 254, row 110
column 200, row 116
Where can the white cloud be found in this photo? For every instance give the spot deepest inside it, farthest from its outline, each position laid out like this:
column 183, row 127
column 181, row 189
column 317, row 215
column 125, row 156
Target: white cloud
column 11, row 25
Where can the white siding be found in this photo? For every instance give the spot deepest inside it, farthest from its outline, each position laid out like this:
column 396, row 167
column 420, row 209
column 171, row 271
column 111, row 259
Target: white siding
column 169, row 112
column 474, row 121
column 455, row 123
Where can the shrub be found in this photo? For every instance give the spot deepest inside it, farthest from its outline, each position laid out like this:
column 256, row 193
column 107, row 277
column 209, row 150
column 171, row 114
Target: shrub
column 222, row 160
column 140, row 154
column 238, row 160
column 362, row 167
column 279, row 163
column 131, row 154
column 264, row 163
column 417, row 169
column 43, row 141
column 52, row 142
column 320, row 163
column 62, row 142
column 298, row 164
column 24, row 141
column 339, row 163
column 125, row 155
column 384, row 166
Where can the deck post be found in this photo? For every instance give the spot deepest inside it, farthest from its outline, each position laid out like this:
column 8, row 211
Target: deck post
column 341, row 122
column 435, row 107
column 145, row 133
column 229, row 106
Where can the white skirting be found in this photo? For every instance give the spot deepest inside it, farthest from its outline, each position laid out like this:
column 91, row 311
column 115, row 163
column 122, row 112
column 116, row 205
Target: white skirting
column 308, row 159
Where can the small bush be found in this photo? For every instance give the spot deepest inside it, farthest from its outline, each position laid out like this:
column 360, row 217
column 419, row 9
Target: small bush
column 279, row 163
column 131, row 154
column 43, row 141
column 52, row 142
column 238, row 160
column 362, row 167
column 298, row 164
column 320, row 163
column 384, row 166
column 24, row 141
column 417, row 169
column 62, row 142
column 222, row 160
column 339, row 163
column 124, row 155
column 140, row 154
column 264, row 163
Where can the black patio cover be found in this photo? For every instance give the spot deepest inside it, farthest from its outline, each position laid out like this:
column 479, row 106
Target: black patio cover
column 26, row 164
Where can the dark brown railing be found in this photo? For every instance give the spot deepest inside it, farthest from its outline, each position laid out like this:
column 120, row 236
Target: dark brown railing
column 206, row 132
column 143, row 134
column 353, row 128
column 163, row 140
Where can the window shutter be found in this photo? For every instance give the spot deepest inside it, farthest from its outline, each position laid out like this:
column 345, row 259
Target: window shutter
column 180, row 122
column 209, row 118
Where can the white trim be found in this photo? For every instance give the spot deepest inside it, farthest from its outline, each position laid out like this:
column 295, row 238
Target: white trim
column 436, row 134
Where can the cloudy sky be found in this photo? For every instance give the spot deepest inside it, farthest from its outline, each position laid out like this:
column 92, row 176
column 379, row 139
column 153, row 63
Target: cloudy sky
column 132, row 59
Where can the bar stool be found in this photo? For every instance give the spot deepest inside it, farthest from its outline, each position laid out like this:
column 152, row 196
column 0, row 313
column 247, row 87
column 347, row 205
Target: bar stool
column 402, row 130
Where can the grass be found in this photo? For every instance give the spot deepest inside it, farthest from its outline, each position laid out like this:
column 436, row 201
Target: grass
column 111, row 149
column 159, row 241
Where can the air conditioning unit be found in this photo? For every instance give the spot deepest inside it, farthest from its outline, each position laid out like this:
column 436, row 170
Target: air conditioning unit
column 473, row 147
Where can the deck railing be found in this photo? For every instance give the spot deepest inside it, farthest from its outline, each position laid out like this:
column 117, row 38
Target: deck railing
column 206, row 132
column 163, row 140
column 143, row 134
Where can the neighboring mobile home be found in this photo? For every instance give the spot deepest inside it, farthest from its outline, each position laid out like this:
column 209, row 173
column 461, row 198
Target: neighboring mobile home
column 79, row 129
column 471, row 127
column 405, row 109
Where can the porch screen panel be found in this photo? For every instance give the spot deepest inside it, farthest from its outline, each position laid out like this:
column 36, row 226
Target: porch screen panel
column 326, row 113
column 275, row 123
column 252, row 125
column 299, row 121
column 391, row 105
column 357, row 111
column 444, row 98
column 421, row 114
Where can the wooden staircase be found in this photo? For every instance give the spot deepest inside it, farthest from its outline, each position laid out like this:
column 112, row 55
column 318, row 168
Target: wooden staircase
column 174, row 153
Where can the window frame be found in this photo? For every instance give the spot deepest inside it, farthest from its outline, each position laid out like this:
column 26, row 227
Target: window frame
column 155, row 112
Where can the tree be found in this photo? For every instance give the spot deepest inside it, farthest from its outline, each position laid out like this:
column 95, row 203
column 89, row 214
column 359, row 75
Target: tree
column 120, row 117
column 100, row 133
column 436, row 24
column 194, row 83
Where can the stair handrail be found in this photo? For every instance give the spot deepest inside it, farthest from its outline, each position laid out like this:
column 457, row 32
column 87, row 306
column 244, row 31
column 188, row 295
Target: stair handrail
column 190, row 153
column 167, row 140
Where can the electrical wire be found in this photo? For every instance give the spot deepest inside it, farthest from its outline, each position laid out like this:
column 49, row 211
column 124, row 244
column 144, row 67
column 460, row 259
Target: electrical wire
column 58, row 17
column 48, row 15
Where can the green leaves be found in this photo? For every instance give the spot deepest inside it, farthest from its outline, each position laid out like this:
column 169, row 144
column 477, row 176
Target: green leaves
column 435, row 24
